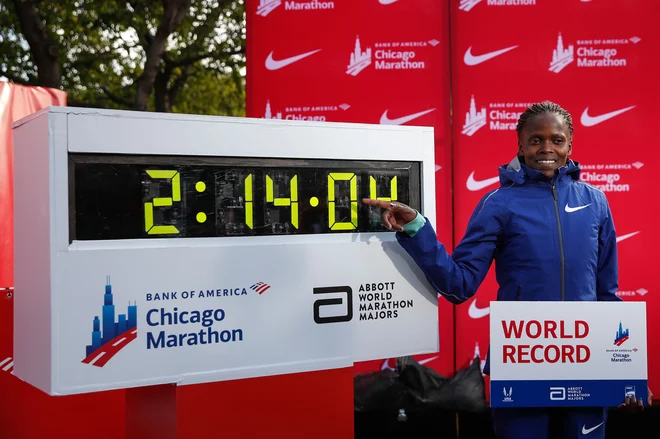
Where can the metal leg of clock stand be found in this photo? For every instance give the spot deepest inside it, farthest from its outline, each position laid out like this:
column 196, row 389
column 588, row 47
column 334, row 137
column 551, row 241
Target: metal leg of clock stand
column 151, row 412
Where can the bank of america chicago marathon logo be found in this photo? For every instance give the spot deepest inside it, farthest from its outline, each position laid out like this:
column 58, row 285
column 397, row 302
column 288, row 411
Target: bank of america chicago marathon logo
column 610, row 178
column 592, row 53
column 388, row 55
column 267, row 6
column 500, row 116
column 467, row 5
column 111, row 333
column 109, row 336
column 621, row 355
column 319, row 113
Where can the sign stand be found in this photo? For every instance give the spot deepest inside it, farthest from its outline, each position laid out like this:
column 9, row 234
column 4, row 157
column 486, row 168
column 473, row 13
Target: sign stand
column 151, row 412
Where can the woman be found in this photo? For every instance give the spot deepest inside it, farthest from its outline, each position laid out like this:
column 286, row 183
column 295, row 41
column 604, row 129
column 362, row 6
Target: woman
column 553, row 239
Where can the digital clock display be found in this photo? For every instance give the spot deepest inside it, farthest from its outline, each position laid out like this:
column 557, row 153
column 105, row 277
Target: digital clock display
column 135, row 197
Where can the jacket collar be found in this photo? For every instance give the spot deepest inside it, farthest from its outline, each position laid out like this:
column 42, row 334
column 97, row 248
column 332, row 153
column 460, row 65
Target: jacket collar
column 518, row 173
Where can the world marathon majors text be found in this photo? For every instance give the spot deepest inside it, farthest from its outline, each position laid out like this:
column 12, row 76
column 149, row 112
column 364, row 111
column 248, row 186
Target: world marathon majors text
column 376, row 301
column 206, row 317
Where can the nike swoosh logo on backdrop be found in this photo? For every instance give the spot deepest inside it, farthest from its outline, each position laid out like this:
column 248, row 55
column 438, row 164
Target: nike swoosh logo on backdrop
column 384, row 120
column 272, row 64
column 586, row 430
column 387, row 2
column 477, row 185
column 575, row 209
column 589, row 121
column 473, row 60
column 624, row 237
column 475, row 312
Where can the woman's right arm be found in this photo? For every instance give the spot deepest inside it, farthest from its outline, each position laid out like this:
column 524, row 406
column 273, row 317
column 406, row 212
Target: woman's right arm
column 458, row 276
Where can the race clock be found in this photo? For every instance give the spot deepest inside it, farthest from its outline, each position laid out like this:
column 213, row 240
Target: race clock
column 160, row 248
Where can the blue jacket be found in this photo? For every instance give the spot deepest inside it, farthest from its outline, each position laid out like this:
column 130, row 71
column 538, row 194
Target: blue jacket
column 551, row 239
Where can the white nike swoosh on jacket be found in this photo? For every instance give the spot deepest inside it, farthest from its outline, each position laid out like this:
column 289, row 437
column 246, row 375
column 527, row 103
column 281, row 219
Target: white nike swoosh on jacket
column 586, row 430
column 570, row 209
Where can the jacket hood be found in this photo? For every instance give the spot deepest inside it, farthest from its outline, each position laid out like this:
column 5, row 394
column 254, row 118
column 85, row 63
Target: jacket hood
column 516, row 172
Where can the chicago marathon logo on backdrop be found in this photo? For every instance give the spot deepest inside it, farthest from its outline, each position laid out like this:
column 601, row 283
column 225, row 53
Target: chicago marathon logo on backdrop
column 606, row 53
column 496, row 116
column 111, row 333
column 389, row 55
column 610, row 177
column 467, row 5
column 267, row 6
column 305, row 112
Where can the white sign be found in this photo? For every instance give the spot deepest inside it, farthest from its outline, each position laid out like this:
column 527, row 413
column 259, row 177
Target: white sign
column 101, row 314
column 567, row 353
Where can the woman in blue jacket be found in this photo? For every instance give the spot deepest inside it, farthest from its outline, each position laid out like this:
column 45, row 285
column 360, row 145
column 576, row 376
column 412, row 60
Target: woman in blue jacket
column 553, row 239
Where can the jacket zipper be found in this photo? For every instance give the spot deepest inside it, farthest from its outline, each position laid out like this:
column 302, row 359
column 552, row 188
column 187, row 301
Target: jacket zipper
column 561, row 241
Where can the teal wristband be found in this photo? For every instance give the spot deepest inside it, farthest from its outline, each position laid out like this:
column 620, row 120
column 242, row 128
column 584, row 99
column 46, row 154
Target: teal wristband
column 415, row 225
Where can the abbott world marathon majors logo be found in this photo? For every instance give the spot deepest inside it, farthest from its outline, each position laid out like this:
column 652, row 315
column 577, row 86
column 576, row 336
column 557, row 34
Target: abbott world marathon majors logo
column 467, row 5
column 389, row 55
column 499, row 116
column 593, row 53
column 167, row 322
column 267, row 6
column 376, row 301
column 319, row 113
column 610, row 177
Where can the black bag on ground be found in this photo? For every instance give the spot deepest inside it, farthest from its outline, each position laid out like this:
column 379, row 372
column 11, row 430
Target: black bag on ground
column 414, row 387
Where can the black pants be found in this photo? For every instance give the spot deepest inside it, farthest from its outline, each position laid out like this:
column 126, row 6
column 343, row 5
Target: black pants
column 549, row 423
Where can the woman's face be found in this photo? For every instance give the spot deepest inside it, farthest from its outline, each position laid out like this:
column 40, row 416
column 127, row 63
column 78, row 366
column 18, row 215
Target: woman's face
column 545, row 142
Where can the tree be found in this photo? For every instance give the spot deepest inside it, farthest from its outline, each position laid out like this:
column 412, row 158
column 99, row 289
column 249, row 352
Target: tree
column 172, row 55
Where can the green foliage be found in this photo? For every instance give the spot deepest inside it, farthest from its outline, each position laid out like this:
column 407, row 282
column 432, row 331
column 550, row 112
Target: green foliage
column 102, row 48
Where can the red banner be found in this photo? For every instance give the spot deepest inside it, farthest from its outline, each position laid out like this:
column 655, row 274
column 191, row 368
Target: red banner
column 364, row 62
column 597, row 60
